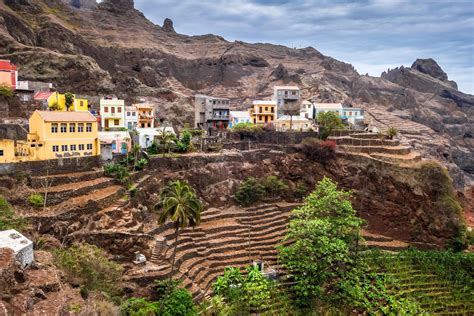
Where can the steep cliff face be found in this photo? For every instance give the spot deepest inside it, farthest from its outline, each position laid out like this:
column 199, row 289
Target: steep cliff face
column 112, row 48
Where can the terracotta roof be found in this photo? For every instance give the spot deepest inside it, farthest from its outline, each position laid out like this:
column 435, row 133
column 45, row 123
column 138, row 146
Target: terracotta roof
column 57, row 116
column 42, row 95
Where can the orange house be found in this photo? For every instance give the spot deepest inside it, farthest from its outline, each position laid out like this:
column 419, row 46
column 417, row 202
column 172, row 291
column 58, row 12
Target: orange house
column 8, row 74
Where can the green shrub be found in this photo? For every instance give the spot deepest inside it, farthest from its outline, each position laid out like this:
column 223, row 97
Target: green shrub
column 139, row 307
column 328, row 121
column 392, row 132
column 140, row 164
column 36, row 200
column 117, row 171
column 249, row 192
column 6, row 91
column 154, row 148
column 246, row 128
column 89, row 266
column 8, row 218
column 301, row 190
column 184, row 143
column 273, row 186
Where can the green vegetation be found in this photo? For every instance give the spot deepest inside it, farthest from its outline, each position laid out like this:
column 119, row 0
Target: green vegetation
column 328, row 121
column 236, row 294
column 183, row 144
column 88, row 265
column 325, row 227
column 246, row 128
column 36, row 200
column 118, row 171
column 6, row 91
column 179, row 204
column 172, row 301
column 439, row 187
column 253, row 190
column 318, row 150
column 68, row 100
column 140, row 164
column 166, row 139
column 392, row 132
column 8, row 218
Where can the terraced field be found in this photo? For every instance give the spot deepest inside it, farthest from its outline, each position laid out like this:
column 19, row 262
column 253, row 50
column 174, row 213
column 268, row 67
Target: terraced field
column 436, row 292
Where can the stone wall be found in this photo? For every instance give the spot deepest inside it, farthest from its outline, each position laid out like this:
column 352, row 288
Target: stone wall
column 273, row 137
column 54, row 166
column 13, row 131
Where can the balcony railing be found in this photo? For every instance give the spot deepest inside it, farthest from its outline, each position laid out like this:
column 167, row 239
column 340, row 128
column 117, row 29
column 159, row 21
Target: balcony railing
column 220, row 117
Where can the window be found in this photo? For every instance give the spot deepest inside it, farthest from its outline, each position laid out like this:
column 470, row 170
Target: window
column 350, row 113
column 266, row 109
column 73, row 147
column 63, row 127
column 55, row 148
column 89, row 146
column 1, row 153
column 63, row 147
column 273, row 109
column 81, row 147
column 81, row 103
column 134, row 113
column 80, row 127
column 89, row 127
column 119, row 110
column 116, row 122
column 128, row 113
column 54, row 128
column 106, row 109
column 112, row 109
column 72, row 127
column 149, row 125
column 260, row 109
column 293, row 92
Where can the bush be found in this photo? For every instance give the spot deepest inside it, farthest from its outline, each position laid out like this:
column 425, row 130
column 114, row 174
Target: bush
column 117, row 171
column 249, row 192
column 88, row 266
column 6, row 91
column 392, row 132
column 140, row 164
column 8, row 218
column 301, row 190
column 154, row 149
column 36, row 200
column 318, row 150
column 273, row 186
column 246, row 128
column 139, row 306
column 184, row 143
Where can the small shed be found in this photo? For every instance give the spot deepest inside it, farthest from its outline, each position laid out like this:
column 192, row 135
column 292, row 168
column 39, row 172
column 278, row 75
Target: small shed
column 22, row 246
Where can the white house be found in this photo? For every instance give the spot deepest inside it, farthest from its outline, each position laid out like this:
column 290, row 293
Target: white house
column 328, row 107
column 307, row 110
column 112, row 112
column 353, row 115
column 131, row 117
column 237, row 117
column 146, row 136
column 21, row 246
column 297, row 123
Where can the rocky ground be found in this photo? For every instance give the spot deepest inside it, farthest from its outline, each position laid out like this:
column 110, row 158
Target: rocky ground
column 112, row 48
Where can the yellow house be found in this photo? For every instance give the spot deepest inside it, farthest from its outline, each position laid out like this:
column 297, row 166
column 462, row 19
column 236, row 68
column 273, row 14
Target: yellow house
column 56, row 134
column 7, row 150
column 263, row 112
column 52, row 98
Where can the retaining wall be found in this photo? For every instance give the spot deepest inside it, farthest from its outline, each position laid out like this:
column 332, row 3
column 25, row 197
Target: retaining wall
column 54, row 166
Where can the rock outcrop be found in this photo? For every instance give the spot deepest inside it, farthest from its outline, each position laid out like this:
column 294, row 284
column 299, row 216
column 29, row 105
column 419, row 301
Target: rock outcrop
column 168, row 26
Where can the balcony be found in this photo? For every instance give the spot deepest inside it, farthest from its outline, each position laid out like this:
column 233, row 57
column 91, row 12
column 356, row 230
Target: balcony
column 144, row 116
column 220, row 117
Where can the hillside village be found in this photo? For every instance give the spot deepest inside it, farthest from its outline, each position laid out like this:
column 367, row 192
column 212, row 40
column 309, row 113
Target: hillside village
column 273, row 194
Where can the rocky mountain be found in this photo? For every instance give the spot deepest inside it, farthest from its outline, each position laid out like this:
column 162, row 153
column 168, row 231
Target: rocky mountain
column 111, row 48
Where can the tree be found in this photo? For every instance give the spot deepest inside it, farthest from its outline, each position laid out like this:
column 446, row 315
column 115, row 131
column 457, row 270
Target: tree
column 324, row 235
column 68, row 100
column 46, row 183
column 291, row 109
column 6, row 90
column 328, row 121
column 180, row 204
column 165, row 139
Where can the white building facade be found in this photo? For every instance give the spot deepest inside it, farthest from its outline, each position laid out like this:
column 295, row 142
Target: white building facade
column 131, row 117
column 237, row 117
column 21, row 246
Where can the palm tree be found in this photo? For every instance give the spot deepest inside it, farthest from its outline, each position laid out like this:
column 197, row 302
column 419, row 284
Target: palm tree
column 166, row 138
column 180, row 204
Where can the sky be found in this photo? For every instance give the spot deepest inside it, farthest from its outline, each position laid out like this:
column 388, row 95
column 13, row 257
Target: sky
column 372, row 35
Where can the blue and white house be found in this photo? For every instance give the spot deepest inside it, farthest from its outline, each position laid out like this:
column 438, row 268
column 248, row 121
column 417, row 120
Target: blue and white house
column 237, row 117
column 347, row 114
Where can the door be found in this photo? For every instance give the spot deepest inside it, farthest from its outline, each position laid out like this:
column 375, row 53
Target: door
column 106, row 123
